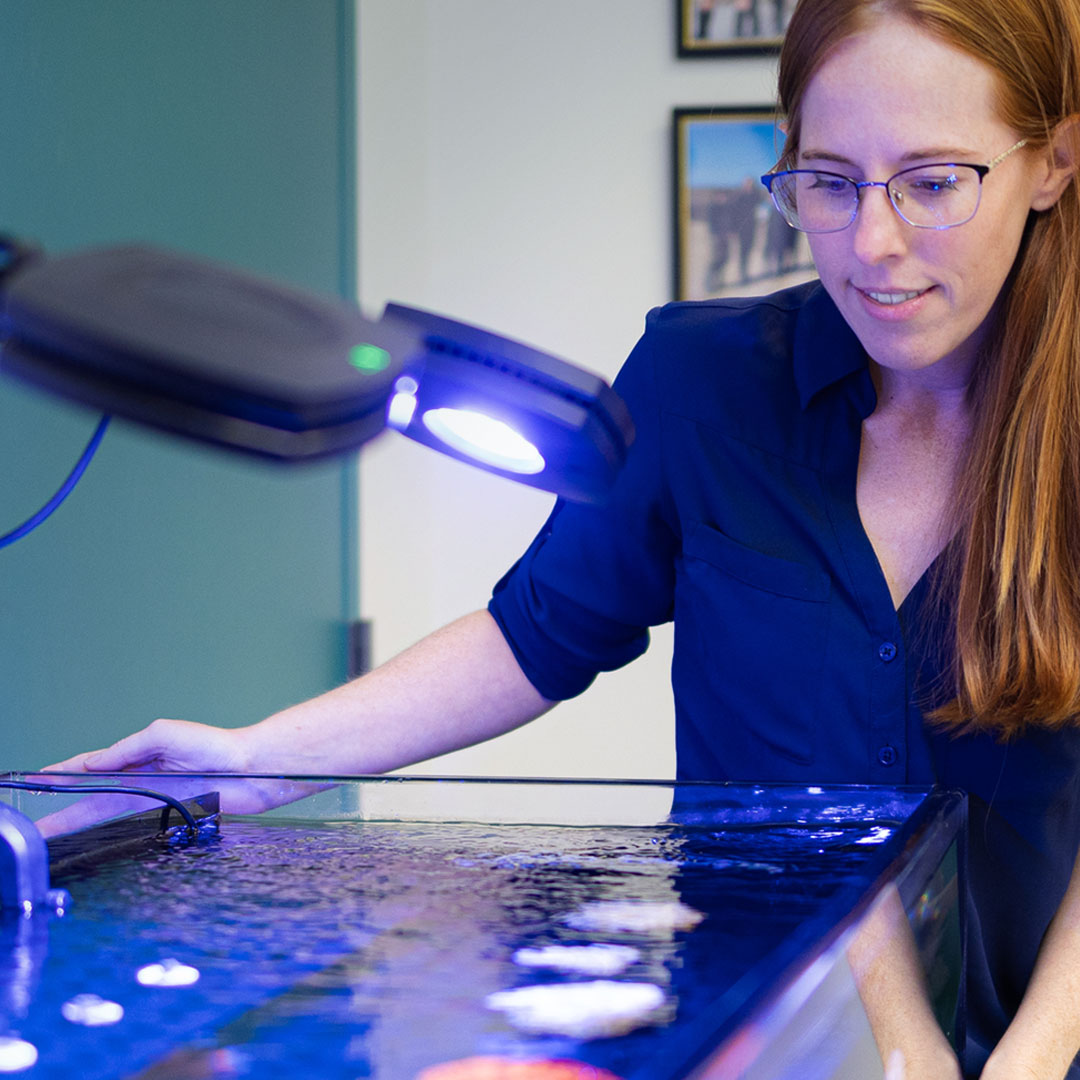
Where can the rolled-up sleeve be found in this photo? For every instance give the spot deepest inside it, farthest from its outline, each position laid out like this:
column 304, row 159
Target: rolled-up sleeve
column 582, row 597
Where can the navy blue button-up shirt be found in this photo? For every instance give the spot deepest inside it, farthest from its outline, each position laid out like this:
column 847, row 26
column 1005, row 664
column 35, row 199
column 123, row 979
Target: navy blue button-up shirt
column 736, row 517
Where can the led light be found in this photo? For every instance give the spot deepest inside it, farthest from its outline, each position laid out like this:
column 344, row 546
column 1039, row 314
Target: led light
column 366, row 357
column 167, row 973
column 487, row 440
column 402, row 404
column 16, row 1055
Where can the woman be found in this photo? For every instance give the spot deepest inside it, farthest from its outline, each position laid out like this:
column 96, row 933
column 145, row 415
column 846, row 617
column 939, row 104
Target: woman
column 859, row 500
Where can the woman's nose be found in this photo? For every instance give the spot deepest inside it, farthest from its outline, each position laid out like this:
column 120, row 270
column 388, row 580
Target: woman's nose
column 879, row 231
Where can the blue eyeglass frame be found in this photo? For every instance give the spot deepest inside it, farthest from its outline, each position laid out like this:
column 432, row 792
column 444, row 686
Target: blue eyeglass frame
column 981, row 170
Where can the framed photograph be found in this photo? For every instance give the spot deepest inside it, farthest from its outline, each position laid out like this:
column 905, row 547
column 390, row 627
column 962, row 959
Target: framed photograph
column 715, row 27
column 729, row 238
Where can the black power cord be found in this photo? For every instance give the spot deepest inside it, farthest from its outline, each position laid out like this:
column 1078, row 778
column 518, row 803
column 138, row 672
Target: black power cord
column 110, row 789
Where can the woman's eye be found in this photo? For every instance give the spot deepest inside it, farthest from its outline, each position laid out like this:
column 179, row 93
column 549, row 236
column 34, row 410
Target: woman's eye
column 933, row 185
column 830, row 185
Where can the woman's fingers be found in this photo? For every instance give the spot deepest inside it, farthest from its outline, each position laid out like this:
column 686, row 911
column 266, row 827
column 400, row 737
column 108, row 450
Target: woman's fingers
column 166, row 746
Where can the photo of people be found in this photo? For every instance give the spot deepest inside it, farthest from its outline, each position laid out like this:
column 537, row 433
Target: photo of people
column 732, row 25
column 728, row 238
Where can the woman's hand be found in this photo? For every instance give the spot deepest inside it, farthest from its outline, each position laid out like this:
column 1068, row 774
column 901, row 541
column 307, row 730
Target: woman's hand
column 167, row 746
column 170, row 746
column 454, row 688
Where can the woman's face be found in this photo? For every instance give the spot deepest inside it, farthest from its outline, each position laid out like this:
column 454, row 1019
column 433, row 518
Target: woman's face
column 887, row 99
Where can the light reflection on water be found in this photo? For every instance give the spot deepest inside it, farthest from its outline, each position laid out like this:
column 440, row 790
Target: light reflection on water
column 368, row 949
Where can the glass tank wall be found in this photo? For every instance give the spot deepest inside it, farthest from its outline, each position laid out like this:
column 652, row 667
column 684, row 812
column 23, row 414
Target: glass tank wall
column 444, row 928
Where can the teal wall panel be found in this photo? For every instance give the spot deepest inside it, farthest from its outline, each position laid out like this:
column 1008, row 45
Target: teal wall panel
column 176, row 580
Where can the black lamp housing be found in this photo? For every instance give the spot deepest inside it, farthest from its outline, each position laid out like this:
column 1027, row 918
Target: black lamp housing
column 197, row 349
column 202, row 350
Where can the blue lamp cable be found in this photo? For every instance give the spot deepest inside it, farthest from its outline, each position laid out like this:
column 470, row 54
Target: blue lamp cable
column 65, row 488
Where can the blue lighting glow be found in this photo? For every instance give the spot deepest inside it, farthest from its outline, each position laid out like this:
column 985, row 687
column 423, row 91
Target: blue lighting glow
column 487, row 440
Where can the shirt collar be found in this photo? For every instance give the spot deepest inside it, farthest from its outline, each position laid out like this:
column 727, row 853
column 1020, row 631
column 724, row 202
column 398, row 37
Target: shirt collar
column 826, row 348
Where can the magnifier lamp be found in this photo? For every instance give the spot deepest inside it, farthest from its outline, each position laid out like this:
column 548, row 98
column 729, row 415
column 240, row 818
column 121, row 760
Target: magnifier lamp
column 202, row 350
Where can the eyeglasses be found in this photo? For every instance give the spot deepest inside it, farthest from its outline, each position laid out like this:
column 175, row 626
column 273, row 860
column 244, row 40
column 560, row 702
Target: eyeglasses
column 939, row 196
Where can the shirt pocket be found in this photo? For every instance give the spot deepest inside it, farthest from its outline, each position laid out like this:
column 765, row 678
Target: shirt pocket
column 751, row 636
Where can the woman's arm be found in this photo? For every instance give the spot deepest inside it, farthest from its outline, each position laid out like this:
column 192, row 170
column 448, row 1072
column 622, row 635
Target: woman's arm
column 1044, row 1036
column 459, row 686
column 885, row 963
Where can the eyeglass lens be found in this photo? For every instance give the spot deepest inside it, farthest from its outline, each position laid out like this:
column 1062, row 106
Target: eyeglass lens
column 931, row 196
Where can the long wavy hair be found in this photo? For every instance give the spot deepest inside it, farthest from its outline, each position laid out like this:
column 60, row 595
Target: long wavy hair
column 1011, row 575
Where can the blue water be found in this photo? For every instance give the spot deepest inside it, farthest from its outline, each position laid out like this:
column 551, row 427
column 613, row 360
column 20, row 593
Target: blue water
column 367, row 949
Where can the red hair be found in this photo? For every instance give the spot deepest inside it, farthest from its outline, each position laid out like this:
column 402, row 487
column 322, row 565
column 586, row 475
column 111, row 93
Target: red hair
column 1012, row 573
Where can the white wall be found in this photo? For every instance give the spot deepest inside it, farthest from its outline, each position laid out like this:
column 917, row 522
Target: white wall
column 515, row 172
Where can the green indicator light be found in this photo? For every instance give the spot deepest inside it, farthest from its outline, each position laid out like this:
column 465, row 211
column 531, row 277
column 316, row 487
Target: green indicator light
column 369, row 358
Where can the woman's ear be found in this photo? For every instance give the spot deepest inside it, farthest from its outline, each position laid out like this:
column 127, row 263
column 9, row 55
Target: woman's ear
column 1062, row 163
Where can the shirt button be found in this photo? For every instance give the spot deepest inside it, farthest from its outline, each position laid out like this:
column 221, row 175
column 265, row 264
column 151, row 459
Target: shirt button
column 887, row 755
column 887, row 652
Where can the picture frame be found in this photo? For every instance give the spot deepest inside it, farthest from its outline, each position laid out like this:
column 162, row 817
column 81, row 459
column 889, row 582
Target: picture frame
column 731, row 27
column 729, row 240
